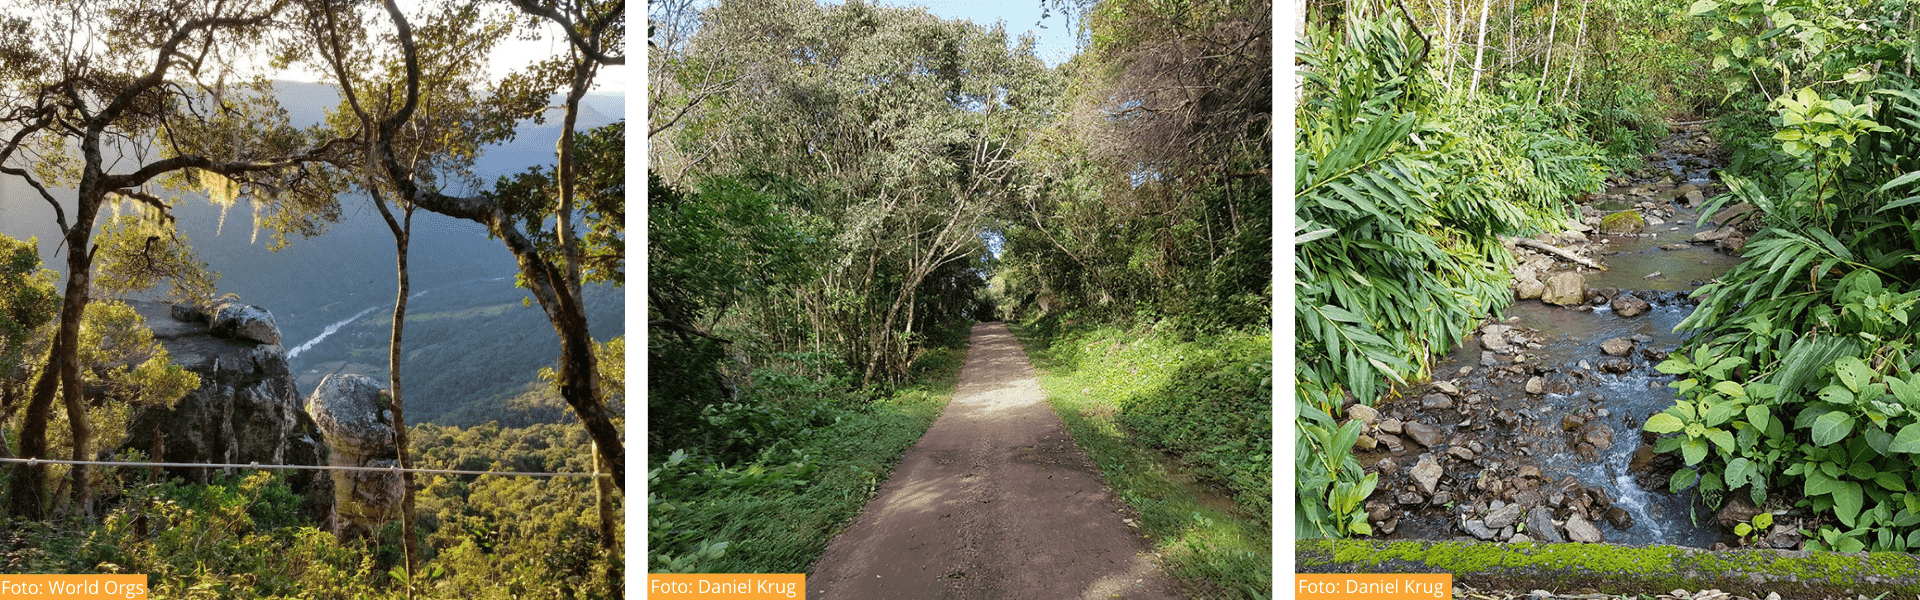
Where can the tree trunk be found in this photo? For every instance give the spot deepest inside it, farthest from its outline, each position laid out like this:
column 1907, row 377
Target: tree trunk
column 1578, row 39
column 1553, row 25
column 402, row 238
column 1480, row 48
column 29, row 481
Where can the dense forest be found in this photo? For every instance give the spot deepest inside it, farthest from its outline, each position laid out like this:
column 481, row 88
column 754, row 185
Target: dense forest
column 118, row 112
column 1430, row 135
column 838, row 192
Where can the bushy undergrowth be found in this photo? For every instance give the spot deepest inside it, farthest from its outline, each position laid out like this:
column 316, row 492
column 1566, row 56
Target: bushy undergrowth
column 1181, row 425
column 242, row 537
column 795, row 459
column 1802, row 387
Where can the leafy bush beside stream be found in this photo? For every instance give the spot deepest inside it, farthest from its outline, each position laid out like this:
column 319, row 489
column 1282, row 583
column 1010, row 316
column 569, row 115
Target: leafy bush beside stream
column 1801, row 392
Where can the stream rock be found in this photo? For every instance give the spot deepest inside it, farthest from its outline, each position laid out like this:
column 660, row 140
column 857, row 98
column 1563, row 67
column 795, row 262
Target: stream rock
column 1565, row 289
column 1739, row 509
column 1626, row 305
column 1477, row 529
column 1436, row 402
column 1711, row 235
column 1579, row 529
column 1540, row 525
column 1366, row 414
column 1617, row 346
column 1536, row 385
column 1422, row 433
column 1392, row 426
column 1737, row 214
column 1623, row 223
column 1619, row 518
column 1505, row 516
column 1446, row 387
column 1426, row 475
column 1528, row 288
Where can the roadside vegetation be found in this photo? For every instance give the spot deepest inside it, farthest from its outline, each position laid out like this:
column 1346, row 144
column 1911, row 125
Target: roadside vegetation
column 818, row 254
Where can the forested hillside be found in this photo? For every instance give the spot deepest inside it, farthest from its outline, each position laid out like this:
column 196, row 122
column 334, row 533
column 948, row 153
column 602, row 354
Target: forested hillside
column 135, row 128
column 837, row 192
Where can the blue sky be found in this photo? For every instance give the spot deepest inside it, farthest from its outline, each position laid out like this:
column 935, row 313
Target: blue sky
column 1055, row 41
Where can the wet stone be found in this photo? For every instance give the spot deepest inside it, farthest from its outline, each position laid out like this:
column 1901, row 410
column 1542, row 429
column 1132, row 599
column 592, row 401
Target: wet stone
column 1476, row 528
column 1488, row 359
column 1387, row 527
column 1600, row 437
column 1460, row 453
column 1424, row 434
column 1426, row 475
column 1572, row 422
column 1579, row 529
column 1628, row 306
column 1536, row 385
column 1366, row 414
column 1617, row 346
column 1378, row 510
column 1619, row 519
column 1442, row 498
column 1446, row 387
column 1675, row 246
column 1519, row 538
column 1411, row 498
column 1392, row 426
column 1529, row 471
column 1392, row 442
column 1505, row 516
column 1366, row 442
column 1617, row 366
column 1540, row 524
column 1436, row 402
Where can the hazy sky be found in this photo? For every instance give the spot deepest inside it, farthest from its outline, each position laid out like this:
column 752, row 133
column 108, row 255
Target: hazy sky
column 1056, row 43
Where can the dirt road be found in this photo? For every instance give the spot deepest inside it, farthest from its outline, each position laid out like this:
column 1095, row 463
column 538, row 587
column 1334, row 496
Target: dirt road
column 995, row 502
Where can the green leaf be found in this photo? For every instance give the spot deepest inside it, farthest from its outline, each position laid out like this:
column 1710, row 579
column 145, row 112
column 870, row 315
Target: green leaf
column 1701, row 7
column 1757, row 415
column 1730, row 389
column 1847, row 501
column 1738, row 470
column 1683, row 479
column 1837, row 395
column 1890, row 481
column 1721, row 438
column 1854, row 373
column 1819, row 483
column 1832, row 427
column 1666, row 423
column 1907, row 441
column 1693, row 450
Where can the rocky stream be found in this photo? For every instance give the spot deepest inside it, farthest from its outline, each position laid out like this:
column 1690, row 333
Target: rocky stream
column 1531, row 430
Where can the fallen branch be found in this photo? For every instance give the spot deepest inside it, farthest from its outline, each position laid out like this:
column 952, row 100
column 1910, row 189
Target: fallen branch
column 1569, row 256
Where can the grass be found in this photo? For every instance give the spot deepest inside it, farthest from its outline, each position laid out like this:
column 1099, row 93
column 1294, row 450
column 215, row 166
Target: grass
column 777, row 513
column 1211, row 526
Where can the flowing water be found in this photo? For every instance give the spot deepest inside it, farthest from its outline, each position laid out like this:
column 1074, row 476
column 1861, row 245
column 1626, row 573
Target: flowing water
column 1579, row 425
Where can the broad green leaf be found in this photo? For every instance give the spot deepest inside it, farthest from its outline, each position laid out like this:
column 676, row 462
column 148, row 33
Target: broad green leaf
column 1832, row 427
column 1837, row 395
column 1846, row 502
column 1757, row 415
column 1890, row 481
column 1721, row 438
column 1738, row 470
column 1907, row 441
column 1730, row 389
column 1683, row 479
column 1693, row 450
column 1701, row 7
column 1854, row 373
column 1819, row 482
column 1666, row 423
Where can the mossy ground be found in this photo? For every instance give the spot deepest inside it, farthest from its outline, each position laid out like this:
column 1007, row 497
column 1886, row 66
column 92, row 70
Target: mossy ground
column 1618, row 569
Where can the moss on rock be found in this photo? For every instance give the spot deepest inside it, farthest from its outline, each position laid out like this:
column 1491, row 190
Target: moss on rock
column 1623, row 222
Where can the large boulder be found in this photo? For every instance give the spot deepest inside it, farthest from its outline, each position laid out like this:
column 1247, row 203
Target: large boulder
column 356, row 414
column 1565, row 289
column 1623, row 222
column 246, row 409
column 229, row 318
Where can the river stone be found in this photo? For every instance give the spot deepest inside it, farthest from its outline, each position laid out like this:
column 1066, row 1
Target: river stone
column 1422, row 433
column 1616, row 366
column 1623, row 222
column 1378, row 510
column 1528, row 288
column 1505, row 516
column 1574, row 225
column 1536, row 385
column 1540, row 525
column 1694, row 198
column 1446, row 387
column 1626, row 305
column 1617, row 346
column 1572, row 422
column 1436, row 402
column 1529, row 472
column 1734, row 214
column 1565, row 289
column 1494, row 338
column 1519, row 538
column 1366, row 442
column 1442, row 497
column 1387, row 527
column 1460, row 453
column 1426, row 475
column 1489, row 359
column 1732, row 244
column 1712, row 235
column 1675, row 246
column 1739, row 509
column 1600, row 437
column 1410, row 498
column 1366, row 414
column 1579, row 529
column 1391, row 425
column 1619, row 519
column 1477, row 528
column 1392, row 442
column 1786, row 537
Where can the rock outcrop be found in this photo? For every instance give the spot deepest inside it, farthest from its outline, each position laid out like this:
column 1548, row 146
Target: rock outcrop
column 356, row 415
column 246, row 410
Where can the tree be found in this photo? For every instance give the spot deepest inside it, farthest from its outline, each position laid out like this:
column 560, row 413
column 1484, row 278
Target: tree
column 98, row 86
column 552, row 272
